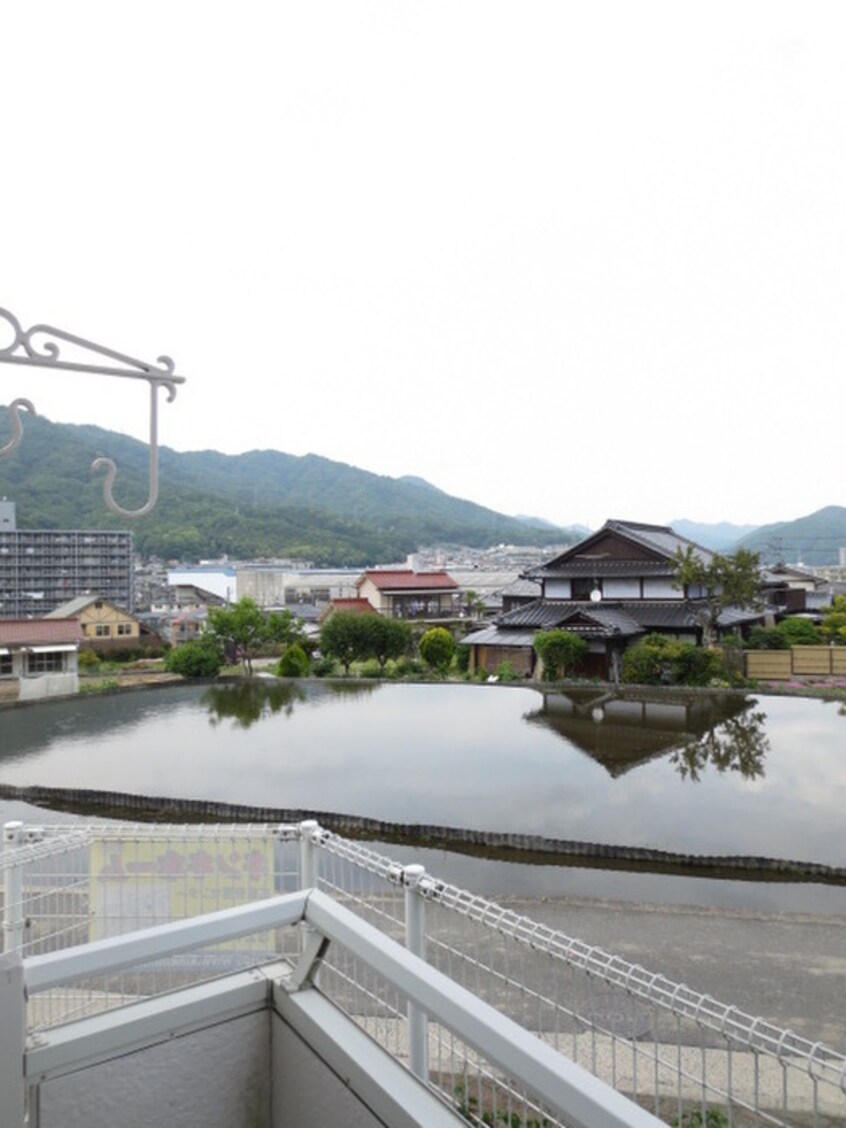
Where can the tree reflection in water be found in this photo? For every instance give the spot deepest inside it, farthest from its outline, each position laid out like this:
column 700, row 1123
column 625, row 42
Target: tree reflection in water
column 249, row 701
column 256, row 699
column 624, row 729
column 740, row 744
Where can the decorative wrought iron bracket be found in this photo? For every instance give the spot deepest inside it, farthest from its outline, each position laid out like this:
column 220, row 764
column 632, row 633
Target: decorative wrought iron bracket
column 45, row 353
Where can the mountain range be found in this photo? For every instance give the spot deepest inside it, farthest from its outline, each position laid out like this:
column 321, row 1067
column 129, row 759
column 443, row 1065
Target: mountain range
column 271, row 504
column 253, row 505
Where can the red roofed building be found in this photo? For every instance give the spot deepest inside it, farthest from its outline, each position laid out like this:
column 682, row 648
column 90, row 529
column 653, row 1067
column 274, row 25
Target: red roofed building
column 357, row 606
column 40, row 655
column 404, row 594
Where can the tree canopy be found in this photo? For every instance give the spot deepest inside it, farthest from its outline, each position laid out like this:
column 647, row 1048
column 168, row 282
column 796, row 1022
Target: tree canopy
column 833, row 626
column 717, row 582
column 346, row 636
column 245, row 630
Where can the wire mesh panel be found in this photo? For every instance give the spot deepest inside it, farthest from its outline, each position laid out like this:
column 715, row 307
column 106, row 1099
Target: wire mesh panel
column 689, row 1058
column 73, row 885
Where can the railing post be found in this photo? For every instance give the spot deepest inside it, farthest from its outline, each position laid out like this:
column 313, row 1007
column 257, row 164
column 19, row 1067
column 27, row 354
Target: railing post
column 12, row 1041
column 415, row 942
column 308, row 858
column 13, row 918
column 308, row 869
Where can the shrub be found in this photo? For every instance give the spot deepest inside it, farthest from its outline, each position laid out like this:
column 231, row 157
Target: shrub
column 437, row 648
column 658, row 660
column 462, row 658
column 833, row 626
column 505, row 671
column 371, row 669
column 99, row 686
column 196, row 659
column 409, row 668
column 799, row 632
column 560, row 651
column 324, row 667
column 294, row 662
column 766, row 638
column 87, row 659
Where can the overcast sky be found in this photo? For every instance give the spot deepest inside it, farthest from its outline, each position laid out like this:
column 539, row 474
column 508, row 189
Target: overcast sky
column 578, row 260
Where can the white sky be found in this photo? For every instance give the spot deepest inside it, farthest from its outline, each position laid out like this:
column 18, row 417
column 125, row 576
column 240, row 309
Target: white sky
column 579, row 260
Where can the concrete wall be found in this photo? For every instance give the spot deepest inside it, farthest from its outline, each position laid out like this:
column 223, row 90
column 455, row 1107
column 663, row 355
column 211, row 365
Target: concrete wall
column 306, row 1091
column 47, row 685
column 253, row 1071
column 218, row 1077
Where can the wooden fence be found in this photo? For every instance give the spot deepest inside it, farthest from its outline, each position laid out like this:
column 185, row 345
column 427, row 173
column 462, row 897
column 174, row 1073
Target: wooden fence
column 799, row 661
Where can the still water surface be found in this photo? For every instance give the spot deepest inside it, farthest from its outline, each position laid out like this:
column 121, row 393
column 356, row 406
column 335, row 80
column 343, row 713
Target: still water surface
column 691, row 773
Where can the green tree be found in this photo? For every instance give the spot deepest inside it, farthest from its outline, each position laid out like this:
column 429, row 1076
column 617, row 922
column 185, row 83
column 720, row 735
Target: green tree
column 473, row 604
column 716, row 582
column 833, row 626
column 560, row 651
column 200, row 658
column 387, row 638
column 437, row 647
column 346, row 636
column 246, row 630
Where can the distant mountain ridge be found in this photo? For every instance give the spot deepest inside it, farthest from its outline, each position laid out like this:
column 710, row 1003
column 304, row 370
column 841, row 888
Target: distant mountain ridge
column 813, row 540
column 719, row 537
column 271, row 504
column 258, row 504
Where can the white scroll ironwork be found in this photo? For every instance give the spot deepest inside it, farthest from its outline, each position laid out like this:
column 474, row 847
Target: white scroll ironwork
column 39, row 347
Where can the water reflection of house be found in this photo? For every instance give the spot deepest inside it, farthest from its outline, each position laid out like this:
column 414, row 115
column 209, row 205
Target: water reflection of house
column 611, row 589
column 621, row 731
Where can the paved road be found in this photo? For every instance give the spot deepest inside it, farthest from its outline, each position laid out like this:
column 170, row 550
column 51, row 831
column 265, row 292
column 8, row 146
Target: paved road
column 788, row 968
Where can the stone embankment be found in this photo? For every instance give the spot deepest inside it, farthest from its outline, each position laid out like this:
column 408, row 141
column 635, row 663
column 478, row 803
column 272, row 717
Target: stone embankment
column 526, row 848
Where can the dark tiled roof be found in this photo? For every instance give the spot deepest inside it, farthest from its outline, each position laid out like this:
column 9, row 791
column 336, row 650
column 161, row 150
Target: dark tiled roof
column 599, row 568
column 493, row 636
column 547, row 614
column 659, row 539
column 628, row 616
column 523, row 587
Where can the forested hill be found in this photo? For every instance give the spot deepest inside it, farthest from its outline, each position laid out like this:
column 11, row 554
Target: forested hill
column 813, row 540
column 263, row 503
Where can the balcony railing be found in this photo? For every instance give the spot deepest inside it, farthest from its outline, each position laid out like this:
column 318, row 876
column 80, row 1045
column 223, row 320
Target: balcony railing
column 73, row 893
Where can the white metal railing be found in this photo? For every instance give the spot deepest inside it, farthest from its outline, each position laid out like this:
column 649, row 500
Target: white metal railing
column 681, row 1053
column 567, row 1093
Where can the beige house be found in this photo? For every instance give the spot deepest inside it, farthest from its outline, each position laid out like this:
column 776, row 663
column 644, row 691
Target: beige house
column 404, row 594
column 105, row 626
column 39, row 657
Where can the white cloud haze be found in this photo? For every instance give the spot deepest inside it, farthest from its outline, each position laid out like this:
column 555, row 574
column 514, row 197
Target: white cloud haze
column 574, row 260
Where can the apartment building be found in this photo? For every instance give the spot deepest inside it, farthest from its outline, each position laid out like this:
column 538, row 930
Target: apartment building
column 40, row 569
